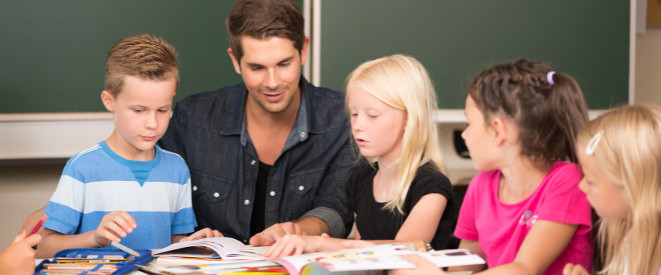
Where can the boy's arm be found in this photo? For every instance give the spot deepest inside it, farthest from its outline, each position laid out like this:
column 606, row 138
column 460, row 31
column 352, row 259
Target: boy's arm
column 53, row 241
column 112, row 227
column 32, row 220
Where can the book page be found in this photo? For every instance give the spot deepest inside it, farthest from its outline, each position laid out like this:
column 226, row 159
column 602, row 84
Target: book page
column 225, row 248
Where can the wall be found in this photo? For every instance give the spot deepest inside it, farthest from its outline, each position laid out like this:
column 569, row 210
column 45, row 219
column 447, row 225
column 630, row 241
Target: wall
column 648, row 66
column 25, row 186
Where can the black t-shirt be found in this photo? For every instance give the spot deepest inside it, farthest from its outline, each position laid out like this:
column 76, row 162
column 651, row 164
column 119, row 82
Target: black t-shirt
column 259, row 202
column 375, row 223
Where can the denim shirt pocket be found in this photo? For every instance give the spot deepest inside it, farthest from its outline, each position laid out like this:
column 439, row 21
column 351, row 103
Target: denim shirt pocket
column 303, row 187
column 304, row 181
column 209, row 188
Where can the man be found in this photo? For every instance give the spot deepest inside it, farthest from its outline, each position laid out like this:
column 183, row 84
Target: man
column 269, row 156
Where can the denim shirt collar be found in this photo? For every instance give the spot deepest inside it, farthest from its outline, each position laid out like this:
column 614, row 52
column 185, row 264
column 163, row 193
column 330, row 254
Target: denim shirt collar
column 298, row 134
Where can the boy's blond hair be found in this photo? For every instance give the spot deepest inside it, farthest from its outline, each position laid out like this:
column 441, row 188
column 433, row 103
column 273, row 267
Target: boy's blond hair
column 629, row 153
column 401, row 82
column 145, row 56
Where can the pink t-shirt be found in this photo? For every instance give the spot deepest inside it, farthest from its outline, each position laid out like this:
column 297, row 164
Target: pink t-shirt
column 501, row 228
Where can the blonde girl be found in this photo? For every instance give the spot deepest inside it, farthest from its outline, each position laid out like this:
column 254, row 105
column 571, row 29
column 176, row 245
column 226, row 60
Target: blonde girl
column 620, row 154
column 401, row 194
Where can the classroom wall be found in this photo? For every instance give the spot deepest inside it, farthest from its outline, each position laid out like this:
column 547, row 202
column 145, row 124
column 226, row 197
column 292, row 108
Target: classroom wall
column 648, row 66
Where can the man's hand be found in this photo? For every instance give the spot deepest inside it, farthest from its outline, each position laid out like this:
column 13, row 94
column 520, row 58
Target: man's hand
column 18, row 257
column 270, row 235
column 114, row 226
column 200, row 234
column 308, row 225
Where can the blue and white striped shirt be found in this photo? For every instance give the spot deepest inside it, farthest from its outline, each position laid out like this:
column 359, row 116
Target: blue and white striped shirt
column 97, row 181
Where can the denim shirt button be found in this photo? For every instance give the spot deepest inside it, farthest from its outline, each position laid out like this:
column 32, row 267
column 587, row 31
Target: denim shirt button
column 302, row 134
column 272, row 193
column 252, row 162
column 216, row 194
column 194, row 187
column 301, row 187
column 246, row 202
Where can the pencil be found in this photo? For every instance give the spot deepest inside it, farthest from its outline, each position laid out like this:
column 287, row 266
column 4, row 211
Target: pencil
column 38, row 225
column 125, row 249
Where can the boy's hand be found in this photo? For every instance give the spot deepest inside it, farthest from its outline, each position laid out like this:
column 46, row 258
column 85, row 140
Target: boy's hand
column 114, row 226
column 201, row 234
column 18, row 257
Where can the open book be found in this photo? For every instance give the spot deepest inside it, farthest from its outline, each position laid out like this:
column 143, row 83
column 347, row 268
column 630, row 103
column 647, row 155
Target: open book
column 227, row 254
column 377, row 257
column 213, row 248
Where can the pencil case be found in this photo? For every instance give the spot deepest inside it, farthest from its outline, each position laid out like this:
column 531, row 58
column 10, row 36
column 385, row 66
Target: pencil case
column 93, row 261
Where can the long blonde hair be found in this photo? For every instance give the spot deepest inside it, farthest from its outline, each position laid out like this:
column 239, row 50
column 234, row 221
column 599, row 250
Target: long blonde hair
column 629, row 153
column 401, row 82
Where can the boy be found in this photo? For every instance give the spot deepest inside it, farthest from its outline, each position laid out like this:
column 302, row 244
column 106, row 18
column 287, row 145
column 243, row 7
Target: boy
column 125, row 188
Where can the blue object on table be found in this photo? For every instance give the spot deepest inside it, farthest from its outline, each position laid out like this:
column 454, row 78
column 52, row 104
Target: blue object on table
column 88, row 253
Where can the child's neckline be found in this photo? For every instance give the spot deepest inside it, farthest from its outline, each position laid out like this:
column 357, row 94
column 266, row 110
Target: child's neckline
column 513, row 199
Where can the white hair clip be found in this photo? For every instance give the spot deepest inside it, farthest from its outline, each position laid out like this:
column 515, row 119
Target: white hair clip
column 592, row 145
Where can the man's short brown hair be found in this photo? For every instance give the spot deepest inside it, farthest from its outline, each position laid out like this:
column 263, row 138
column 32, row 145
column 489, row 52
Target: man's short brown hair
column 145, row 55
column 264, row 18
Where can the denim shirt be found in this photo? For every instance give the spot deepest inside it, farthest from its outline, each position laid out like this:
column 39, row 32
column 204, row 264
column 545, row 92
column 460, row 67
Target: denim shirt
column 308, row 178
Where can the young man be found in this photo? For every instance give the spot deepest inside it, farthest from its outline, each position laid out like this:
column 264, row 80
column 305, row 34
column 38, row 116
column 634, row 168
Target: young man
column 269, row 156
column 126, row 189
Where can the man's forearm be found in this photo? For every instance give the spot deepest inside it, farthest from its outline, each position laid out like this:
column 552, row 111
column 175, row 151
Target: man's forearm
column 312, row 225
column 334, row 224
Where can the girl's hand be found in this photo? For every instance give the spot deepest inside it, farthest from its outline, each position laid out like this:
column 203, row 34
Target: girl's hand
column 18, row 257
column 294, row 245
column 571, row 269
column 114, row 226
column 356, row 243
column 424, row 267
column 201, row 234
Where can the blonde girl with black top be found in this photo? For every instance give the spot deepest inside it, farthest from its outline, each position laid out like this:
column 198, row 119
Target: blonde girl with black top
column 402, row 194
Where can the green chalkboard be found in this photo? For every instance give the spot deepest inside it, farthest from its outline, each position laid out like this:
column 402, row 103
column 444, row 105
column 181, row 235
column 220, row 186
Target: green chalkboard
column 52, row 53
column 455, row 39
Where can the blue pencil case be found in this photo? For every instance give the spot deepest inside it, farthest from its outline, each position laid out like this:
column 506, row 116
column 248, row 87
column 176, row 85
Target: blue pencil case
column 93, row 261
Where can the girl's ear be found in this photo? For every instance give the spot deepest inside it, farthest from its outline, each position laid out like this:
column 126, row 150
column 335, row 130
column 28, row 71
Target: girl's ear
column 501, row 129
column 108, row 101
